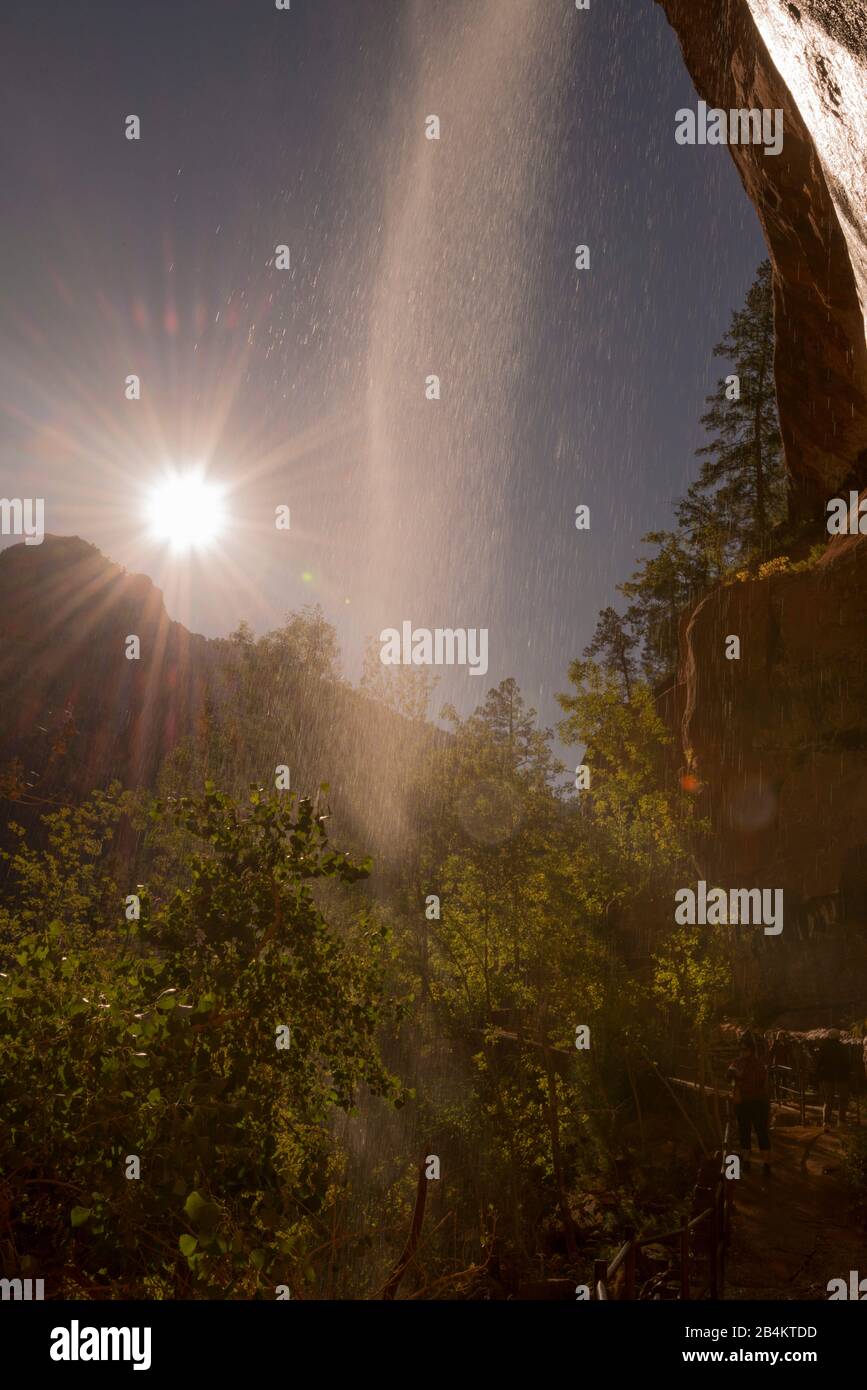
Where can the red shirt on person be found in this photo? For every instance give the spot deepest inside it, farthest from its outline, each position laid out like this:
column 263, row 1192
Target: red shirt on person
column 750, row 1078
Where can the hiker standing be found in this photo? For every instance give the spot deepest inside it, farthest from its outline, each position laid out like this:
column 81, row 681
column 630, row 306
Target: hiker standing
column 749, row 1080
column 832, row 1075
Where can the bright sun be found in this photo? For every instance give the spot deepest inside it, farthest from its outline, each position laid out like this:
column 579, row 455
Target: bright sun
column 186, row 511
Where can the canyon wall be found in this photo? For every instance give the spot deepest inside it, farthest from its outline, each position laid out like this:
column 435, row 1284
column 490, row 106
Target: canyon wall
column 810, row 61
column 777, row 741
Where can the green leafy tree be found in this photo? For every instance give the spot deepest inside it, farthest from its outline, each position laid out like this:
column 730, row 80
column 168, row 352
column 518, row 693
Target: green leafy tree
column 156, row 1037
column 306, row 641
column 641, row 822
column 243, row 635
column 406, row 689
column 514, row 938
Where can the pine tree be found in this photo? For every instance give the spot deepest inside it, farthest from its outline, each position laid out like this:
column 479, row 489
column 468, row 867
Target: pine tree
column 661, row 589
column 728, row 514
column 614, row 643
column 743, row 475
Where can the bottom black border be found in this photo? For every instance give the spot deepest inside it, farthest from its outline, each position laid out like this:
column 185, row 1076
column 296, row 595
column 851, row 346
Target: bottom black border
column 261, row 1337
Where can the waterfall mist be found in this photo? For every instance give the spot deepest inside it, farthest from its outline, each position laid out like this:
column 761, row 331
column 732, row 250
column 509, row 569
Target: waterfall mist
column 466, row 236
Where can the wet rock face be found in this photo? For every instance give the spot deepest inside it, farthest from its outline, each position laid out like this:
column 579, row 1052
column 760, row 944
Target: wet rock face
column 843, row 20
column 820, row 51
column 807, row 58
column 778, row 738
column 778, row 743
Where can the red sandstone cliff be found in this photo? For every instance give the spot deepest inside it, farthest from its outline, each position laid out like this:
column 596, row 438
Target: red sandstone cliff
column 812, row 203
column 778, row 739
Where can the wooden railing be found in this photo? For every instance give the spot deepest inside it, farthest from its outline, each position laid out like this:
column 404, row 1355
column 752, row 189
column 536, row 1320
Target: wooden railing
column 790, row 1086
column 715, row 1217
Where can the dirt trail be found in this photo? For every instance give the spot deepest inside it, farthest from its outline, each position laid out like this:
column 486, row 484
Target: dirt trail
column 794, row 1231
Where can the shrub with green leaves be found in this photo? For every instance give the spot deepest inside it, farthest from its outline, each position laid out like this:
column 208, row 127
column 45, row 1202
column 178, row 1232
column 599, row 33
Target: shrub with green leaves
column 158, row 1037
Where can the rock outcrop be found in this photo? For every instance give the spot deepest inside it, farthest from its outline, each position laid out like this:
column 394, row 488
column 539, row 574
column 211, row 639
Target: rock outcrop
column 779, row 737
column 77, row 713
column 778, row 743
column 808, row 60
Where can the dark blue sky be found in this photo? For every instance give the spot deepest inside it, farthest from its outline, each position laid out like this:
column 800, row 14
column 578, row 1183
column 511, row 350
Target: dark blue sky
column 408, row 258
